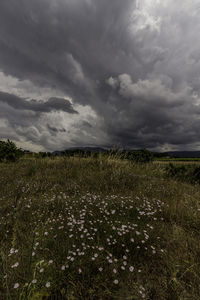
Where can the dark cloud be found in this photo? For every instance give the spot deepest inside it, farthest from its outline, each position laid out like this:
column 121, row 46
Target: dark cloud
column 56, row 130
column 134, row 65
column 53, row 104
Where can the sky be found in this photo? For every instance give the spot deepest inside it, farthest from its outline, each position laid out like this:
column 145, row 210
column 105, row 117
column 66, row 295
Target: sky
column 100, row 73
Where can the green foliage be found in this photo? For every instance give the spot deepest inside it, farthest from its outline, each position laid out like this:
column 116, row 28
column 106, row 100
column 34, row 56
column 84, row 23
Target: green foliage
column 9, row 152
column 189, row 173
column 140, row 156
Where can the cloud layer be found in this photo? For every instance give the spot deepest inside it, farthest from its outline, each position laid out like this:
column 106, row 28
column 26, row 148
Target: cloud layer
column 103, row 72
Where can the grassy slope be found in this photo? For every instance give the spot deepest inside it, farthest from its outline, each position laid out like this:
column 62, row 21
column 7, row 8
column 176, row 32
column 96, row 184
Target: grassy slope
column 44, row 202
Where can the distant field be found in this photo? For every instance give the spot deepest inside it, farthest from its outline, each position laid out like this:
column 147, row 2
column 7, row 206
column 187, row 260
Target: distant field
column 103, row 228
column 179, row 159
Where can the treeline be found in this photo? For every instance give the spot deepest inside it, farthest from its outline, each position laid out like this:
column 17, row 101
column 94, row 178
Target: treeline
column 10, row 153
column 138, row 156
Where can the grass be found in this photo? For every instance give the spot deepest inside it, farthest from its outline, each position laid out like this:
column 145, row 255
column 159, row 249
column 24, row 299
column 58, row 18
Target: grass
column 101, row 228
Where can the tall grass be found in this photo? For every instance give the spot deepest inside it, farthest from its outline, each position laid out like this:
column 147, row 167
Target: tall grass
column 97, row 228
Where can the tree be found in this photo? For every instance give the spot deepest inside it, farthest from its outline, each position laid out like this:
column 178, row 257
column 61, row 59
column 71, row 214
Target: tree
column 9, row 151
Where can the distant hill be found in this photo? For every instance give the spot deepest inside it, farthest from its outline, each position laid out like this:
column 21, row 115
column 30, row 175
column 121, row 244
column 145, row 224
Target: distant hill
column 92, row 149
column 184, row 154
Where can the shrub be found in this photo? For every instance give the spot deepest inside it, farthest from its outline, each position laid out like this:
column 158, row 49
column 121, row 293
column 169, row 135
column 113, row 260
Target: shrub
column 9, row 151
column 189, row 173
column 140, row 156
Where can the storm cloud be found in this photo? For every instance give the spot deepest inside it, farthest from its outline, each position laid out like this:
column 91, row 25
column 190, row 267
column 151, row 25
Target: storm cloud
column 101, row 73
column 53, row 104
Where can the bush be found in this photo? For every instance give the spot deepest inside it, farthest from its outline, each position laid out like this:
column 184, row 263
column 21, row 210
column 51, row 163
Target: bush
column 9, row 151
column 140, row 156
column 189, row 173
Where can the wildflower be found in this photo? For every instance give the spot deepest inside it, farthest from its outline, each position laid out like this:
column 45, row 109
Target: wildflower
column 116, row 281
column 41, row 270
column 48, row 284
column 15, row 265
column 34, row 280
column 131, row 268
column 63, row 268
column 16, row 285
column 100, row 269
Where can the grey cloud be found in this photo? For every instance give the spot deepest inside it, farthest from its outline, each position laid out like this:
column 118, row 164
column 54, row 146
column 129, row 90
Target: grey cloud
column 56, row 130
column 152, row 114
column 134, row 66
column 53, row 104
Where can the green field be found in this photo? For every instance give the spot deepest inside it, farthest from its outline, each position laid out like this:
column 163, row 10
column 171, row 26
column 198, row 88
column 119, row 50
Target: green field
column 103, row 228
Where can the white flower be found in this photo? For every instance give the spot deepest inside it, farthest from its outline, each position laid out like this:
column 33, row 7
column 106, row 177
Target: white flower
column 16, row 285
column 63, row 268
column 41, row 270
column 116, row 281
column 114, row 271
column 131, row 268
column 34, row 280
column 47, row 284
column 80, row 271
column 15, row 265
column 33, row 254
column 100, row 269
column 50, row 261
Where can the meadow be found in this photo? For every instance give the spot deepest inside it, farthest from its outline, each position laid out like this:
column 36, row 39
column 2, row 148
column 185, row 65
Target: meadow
column 97, row 228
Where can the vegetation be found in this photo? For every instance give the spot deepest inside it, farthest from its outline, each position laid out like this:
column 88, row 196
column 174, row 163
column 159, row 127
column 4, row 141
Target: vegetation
column 136, row 156
column 97, row 228
column 9, row 152
column 188, row 173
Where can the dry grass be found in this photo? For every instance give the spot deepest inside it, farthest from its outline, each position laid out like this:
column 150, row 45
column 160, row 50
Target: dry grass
column 72, row 217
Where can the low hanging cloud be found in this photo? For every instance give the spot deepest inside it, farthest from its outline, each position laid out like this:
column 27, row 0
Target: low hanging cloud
column 53, row 104
column 130, row 70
